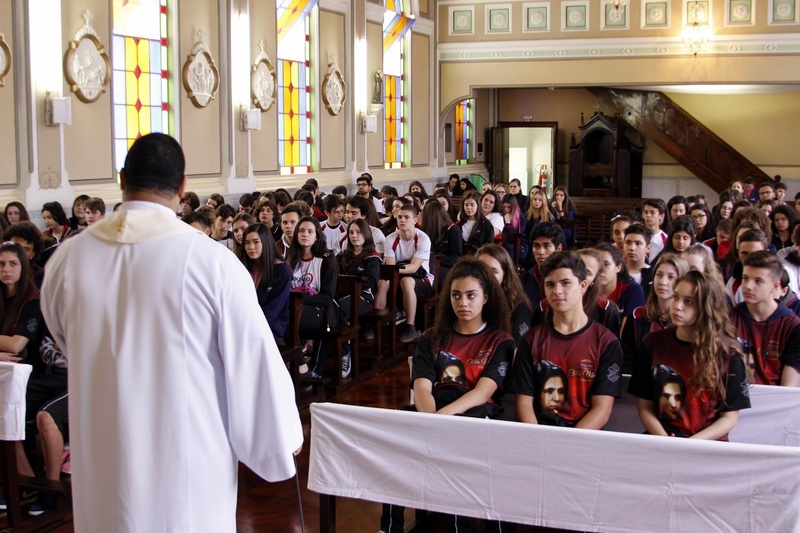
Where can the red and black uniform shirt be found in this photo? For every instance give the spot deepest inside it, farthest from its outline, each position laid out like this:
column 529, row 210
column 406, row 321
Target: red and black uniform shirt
column 590, row 359
column 463, row 359
column 769, row 345
column 663, row 373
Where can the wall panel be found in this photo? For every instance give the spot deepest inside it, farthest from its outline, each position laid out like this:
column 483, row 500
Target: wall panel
column 8, row 117
column 332, row 132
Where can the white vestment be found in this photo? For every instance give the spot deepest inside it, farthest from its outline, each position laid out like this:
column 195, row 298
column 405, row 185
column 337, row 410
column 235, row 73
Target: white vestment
column 173, row 375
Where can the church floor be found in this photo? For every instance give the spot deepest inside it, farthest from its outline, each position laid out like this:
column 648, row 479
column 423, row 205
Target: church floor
column 272, row 507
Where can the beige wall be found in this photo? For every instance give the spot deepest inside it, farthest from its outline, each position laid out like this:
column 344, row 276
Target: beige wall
column 8, row 141
column 264, row 143
column 88, row 142
column 374, row 62
column 332, row 128
column 201, row 135
column 421, row 95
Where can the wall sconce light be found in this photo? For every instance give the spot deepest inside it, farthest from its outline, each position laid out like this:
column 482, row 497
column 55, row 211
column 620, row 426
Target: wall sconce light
column 57, row 109
column 250, row 119
column 695, row 38
column 369, row 123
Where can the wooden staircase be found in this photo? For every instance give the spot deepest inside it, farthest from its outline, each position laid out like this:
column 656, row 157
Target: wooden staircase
column 680, row 135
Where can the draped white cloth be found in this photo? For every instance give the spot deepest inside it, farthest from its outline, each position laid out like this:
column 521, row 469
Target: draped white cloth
column 173, row 375
column 562, row 477
column 13, row 384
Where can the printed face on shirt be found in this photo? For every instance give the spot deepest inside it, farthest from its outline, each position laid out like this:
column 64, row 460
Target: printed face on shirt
column 13, row 215
column 652, row 218
column 681, row 241
column 494, row 265
column 618, row 233
column 335, row 216
column 306, row 234
column 252, row 245
column 223, row 225
column 758, row 285
column 405, row 220
column 470, row 207
column 553, row 394
column 288, row 224
column 564, row 290
column 592, row 267
column 355, row 236
column 93, row 216
column 238, row 230
column 27, row 246
column 664, row 280
column 636, row 249
column 467, row 298
column 487, row 204
column 10, row 269
column 543, row 248
column 683, row 308
column 670, row 402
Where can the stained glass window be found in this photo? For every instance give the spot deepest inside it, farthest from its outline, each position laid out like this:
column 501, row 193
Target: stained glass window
column 463, row 120
column 295, row 132
column 141, row 64
column 396, row 24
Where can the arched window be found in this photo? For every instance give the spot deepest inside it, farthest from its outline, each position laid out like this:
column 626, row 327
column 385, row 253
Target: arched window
column 140, row 62
column 396, row 23
column 295, row 155
column 464, row 125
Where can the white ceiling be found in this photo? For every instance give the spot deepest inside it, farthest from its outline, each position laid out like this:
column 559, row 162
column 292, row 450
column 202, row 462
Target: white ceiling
column 722, row 89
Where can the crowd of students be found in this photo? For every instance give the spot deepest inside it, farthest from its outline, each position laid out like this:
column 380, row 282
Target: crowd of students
column 696, row 302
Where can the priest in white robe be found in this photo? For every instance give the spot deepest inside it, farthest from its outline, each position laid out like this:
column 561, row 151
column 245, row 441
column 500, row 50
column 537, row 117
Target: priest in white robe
column 174, row 374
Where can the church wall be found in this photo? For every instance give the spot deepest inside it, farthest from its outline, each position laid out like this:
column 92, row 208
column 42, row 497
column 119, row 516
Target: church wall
column 332, row 134
column 264, row 142
column 375, row 62
column 8, row 119
column 421, row 95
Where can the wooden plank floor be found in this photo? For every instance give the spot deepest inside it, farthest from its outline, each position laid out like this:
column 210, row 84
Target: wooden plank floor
column 272, row 507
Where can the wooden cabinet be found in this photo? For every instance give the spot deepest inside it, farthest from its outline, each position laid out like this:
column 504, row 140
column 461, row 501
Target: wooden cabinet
column 607, row 162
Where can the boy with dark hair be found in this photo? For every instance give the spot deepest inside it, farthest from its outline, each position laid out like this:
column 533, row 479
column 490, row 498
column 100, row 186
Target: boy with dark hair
column 334, row 227
column 95, row 209
column 587, row 354
column 222, row 225
column 340, row 191
column 364, row 190
column 545, row 238
column 637, row 248
column 198, row 221
column 189, row 202
column 410, row 247
column 766, row 191
column 215, row 200
column 780, row 192
column 752, row 240
column 653, row 212
column 28, row 236
column 290, row 217
column 767, row 330
column 246, row 203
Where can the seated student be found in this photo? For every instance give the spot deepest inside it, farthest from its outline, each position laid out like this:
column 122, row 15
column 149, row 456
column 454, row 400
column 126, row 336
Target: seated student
column 539, row 209
column 393, row 204
column 444, row 235
column 787, row 296
column 359, row 207
column 653, row 212
column 358, row 258
column 587, row 354
column 410, row 247
column 490, row 205
column 246, row 203
column 28, row 236
column 546, row 238
column 615, row 284
column 618, row 226
column 444, row 198
column 704, row 227
column 15, row 212
column 515, row 225
column 721, row 242
column 637, row 249
column 502, row 266
column 340, row 191
column 290, row 217
column 198, row 221
column 677, row 206
column 314, row 274
column 475, row 229
column 690, row 379
column 768, row 332
column 267, row 214
column 654, row 314
column 784, row 220
column 748, row 242
column 306, row 196
column 78, row 219
column 701, row 259
column 215, row 200
column 94, row 210
column 58, row 228
column 271, row 276
column 791, row 260
column 447, row 377
column 334, row 227
column 223, row 220
column 364, row 190
column 596, row 307
column 240, row 223
column 189, row 203
column 681, row 235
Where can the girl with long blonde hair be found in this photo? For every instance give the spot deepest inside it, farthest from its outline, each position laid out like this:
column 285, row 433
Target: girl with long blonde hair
column 538, row 207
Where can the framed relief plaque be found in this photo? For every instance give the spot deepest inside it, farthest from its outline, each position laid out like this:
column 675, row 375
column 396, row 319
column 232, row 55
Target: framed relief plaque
column 200, row 74
column 86, row 64
column 334, row 90
column 263, row 85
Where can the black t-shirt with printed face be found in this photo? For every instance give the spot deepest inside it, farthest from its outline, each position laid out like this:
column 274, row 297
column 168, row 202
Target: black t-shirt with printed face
column 463, row 359
column 563, row 372
column 663, row 373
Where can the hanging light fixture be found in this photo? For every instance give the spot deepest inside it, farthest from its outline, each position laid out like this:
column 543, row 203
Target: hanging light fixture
column 695, row 38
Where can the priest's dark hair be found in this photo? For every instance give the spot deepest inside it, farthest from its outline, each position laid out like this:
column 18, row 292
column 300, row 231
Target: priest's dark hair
column 155, row 163
column 26, row 291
